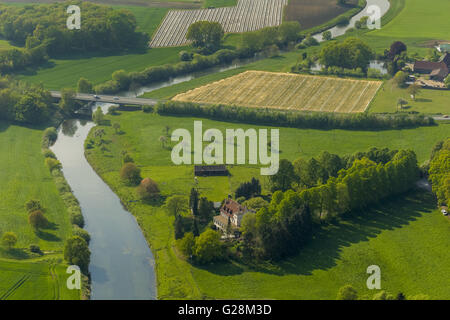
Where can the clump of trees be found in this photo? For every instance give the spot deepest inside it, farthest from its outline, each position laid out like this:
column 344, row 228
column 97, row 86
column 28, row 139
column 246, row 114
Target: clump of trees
column 24, row 103
column 439, row 172
column 352, row 53
column 40, row 27
column 248, row 189
column 204, row 249
column 76, row 252
column 205, row 35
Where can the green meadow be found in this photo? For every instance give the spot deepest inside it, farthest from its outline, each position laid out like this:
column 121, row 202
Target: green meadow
column 24, row 176
column 397, row 236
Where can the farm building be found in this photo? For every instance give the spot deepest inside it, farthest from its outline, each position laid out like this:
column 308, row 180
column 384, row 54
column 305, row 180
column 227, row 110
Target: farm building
column 436, row 70
column 230, row 211
column 206, row 171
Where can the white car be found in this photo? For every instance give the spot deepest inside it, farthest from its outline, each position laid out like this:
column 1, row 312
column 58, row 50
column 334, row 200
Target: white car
column 96, row 96
column 444, row 212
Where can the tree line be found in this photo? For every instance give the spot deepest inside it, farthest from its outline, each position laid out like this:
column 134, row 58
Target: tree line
column 283, row 227
column 295, row 119
column 439, row 171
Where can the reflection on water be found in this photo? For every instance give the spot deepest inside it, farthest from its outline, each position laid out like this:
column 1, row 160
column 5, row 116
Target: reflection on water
column 121, row 262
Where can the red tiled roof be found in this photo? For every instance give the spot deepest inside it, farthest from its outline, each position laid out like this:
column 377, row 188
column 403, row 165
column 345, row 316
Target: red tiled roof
column 232, row 207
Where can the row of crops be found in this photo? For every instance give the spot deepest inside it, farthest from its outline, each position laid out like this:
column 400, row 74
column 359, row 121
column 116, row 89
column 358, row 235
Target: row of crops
column 287, row 91
column 248, row 15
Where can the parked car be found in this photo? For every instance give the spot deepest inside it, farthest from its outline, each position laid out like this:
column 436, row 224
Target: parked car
column 444, row 212
column 116, row 98
column 96, row 96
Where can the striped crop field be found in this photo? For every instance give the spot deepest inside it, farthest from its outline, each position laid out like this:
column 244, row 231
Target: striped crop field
column 260, row 89
column 248, row 15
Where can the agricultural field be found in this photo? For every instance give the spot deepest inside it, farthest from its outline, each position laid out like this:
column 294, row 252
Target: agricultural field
column 260, row 89
column 359, row 240
column 248, row 15
column 311, row 13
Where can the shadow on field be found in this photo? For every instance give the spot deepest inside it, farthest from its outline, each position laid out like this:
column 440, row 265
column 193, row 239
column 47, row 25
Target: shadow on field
column 47, row 236
column 324, row 249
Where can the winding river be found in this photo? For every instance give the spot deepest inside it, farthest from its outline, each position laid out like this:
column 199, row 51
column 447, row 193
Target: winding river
column 122, row 265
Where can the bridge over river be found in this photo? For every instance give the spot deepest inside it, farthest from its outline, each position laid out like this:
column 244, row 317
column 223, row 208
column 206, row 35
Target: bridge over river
column 109, row 99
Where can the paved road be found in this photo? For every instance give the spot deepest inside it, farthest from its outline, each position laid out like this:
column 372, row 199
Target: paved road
column 109, row 99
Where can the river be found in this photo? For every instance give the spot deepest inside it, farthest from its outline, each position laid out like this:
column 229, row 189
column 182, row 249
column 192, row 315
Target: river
column 122, row 265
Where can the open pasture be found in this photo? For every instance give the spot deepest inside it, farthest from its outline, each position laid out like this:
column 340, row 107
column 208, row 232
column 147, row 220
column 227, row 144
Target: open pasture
column 261, row 89
column 248, row 15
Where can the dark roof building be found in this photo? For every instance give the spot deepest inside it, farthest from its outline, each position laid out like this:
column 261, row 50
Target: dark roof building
column 437, row 70
column 205, row 171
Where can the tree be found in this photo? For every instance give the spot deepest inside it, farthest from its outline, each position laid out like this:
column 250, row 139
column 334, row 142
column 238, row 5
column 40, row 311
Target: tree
column 396, row 48
column 130, row 173
column 193, row 202
column 414, row 89
column 400, row 79
column 187, row 244
column 327, row 35
column 33, row 205
column 283, row 179
column 148, row 189
column 178, row 227
column 208, row 247
column 447, row 82
column 99, row 133
column 37, row 220
column 255, row 203
column 84, row 86
column 347, row 292
column 98, row 116
column 176, row 205
column 205, row 208
column 9, row 239
column 76, row 252
column 401, row 102
column 116, row 127
column 67, row 102
column 205, row 35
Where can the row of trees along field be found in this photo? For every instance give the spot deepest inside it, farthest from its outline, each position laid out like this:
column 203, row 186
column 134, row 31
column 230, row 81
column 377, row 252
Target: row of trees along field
column 281, row 228
column 295, row 119
column 440, row 171
column 41, row 30
column 207, row 38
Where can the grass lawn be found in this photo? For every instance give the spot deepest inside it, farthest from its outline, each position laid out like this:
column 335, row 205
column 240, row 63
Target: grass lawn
column 23, row 177
column 36, row 280
column 427, row 101
column 345, row 250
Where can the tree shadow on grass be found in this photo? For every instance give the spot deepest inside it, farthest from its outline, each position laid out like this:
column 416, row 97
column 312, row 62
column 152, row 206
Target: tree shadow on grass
column 14, row 253
column 324, row 250
column 47, row 236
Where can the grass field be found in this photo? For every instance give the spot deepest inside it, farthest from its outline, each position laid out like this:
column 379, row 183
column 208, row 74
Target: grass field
column 286, row 91
column 341, row 257
column 37, row 280
column 427, row 101
column 23, row 177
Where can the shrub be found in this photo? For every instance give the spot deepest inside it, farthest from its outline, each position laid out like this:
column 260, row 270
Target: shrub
column 148, row 189
column 35, row 248
column 49, row 136
column 9, row 239
column 33, row 205
column 76, row 216
column 37, row 220
column 186, row 245
column 147, row 109
column 208, row 247
column 52, row 164
column 347, row 292
column 186, row 56
column 77, row 231
column 76, row 252
column 130, row 173
column 48, row 153
column 343, row 21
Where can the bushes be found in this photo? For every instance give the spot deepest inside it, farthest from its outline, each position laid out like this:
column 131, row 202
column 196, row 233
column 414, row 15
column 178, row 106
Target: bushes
column 130, row 173
column 148, row 189
column 294, row 119
column 77, row 231
column 37, row 220
column 76, row 252
column 49, row 137
column 53, row 164
column 9, row 239
column 33, row 205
